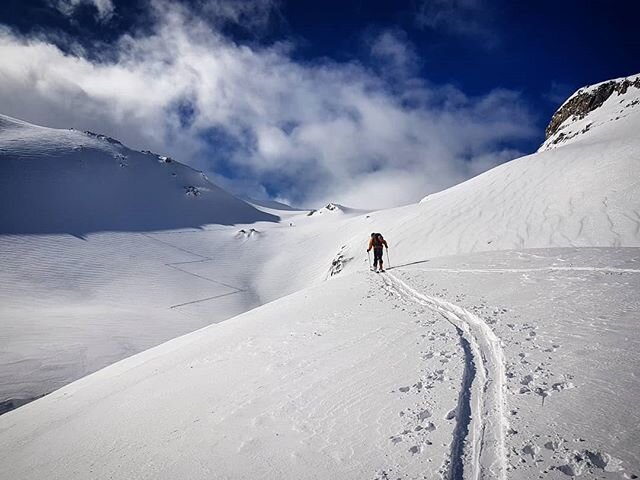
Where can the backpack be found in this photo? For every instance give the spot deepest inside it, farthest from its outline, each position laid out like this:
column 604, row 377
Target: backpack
column 377, row 240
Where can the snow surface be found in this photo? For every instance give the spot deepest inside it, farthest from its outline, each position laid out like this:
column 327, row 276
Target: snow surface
column 360, row 378
column 502, row 343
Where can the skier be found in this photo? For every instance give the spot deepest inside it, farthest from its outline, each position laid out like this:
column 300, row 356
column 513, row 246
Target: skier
column 377, row 242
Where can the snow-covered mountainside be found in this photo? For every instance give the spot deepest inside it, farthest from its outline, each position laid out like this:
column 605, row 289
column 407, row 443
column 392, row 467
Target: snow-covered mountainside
column 501, row 344
column 583, row 192
column 66, row 181
column 595, row 108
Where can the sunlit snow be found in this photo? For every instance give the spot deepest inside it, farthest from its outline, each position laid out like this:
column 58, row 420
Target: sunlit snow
column 502, row 342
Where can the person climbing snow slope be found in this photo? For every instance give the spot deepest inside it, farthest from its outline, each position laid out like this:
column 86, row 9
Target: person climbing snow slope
column 377, row 242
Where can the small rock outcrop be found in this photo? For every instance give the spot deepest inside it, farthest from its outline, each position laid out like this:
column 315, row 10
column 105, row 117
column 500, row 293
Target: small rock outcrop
column 587, row 100
column 339, row 262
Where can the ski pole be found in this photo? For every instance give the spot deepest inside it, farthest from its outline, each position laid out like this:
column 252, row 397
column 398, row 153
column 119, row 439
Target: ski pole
column 369, row 257
column 388, row 262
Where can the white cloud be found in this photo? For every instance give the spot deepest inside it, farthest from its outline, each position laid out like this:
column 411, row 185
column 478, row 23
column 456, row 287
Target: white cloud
column 317, row 132
column 393, row 50
column 105, row 8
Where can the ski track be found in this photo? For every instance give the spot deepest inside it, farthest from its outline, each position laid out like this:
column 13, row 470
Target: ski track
column 463, row 411
column 203, row 259
column 483, row 455
column 527, row 270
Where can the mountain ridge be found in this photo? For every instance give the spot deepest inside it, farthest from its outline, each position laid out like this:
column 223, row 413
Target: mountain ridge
column 67, row 181
column 582, row 108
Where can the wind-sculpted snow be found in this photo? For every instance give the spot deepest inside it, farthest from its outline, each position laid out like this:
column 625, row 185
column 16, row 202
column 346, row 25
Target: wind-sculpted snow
column 64, row 181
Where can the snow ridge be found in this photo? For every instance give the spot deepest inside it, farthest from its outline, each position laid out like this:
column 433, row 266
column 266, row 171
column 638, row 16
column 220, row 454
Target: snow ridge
column 56, row 181
column 485, row 455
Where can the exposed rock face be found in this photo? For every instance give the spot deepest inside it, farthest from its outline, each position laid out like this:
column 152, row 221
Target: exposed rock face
column 587, row 100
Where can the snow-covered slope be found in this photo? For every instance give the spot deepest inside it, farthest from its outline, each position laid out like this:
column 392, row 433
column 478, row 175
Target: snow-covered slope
column 66, row 181
column 371, row 376
column 595, row 108
column 486, row 364
column 582, row 192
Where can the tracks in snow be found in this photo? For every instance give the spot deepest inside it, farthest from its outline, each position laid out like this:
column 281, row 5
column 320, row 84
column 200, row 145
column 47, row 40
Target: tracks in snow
column 528, row 270
column 203, row 259
column 481, row 403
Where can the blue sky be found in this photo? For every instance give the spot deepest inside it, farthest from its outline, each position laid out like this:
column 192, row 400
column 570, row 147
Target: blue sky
column 367, row 103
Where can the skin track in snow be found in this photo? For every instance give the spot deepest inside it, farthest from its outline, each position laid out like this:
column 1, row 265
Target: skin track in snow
column 486, row 455
column 463, row 412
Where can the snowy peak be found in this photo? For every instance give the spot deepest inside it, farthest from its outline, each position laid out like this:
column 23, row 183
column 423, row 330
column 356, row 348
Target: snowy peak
column 333, row 208
column 67, row 181
column 591, row 107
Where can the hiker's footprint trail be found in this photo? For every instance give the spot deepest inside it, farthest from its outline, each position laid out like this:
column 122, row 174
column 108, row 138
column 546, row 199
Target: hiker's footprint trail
column 484, row 454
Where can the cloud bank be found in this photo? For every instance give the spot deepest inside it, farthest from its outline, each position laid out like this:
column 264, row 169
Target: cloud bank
column 260, row 123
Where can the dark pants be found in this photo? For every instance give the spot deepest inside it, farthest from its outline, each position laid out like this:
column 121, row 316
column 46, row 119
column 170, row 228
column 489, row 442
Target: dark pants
column 377, row 256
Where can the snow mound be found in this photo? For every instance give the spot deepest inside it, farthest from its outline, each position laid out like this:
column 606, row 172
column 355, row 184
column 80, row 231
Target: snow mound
column 66, row 181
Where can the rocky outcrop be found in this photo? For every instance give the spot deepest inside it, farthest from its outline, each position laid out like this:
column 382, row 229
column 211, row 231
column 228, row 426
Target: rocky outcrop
column 588, row 99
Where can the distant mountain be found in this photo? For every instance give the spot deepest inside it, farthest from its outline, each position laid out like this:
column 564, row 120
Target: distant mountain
column 332, row 208
column 67, row 181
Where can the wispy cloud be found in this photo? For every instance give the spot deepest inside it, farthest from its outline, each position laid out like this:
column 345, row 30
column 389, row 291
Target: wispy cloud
column 250, row 14
column 394, row 53
column 104, row 8
column 259, row 121
column 468, row 18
